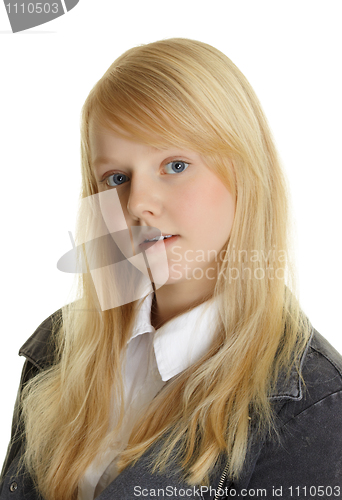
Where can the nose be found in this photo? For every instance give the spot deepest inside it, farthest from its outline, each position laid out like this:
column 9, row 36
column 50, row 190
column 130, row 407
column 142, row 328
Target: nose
column 145, row 198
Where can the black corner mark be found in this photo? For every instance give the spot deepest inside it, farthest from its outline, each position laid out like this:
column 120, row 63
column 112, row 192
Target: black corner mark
column 25, row 14
column 70, row 4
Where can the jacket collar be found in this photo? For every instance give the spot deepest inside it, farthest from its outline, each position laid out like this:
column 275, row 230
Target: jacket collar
column 291, row 387
column 38, row 349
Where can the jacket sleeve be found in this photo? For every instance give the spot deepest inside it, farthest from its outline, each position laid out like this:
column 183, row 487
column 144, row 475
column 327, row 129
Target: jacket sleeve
column 17, row 440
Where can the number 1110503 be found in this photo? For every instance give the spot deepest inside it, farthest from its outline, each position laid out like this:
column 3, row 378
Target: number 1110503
column 315, row 491
column 33, row 8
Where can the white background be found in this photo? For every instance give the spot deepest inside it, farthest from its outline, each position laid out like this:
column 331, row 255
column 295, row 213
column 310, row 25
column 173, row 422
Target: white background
column 291, row 53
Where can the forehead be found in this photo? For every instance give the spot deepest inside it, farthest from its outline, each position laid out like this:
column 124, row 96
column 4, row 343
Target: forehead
column 101, row 130
column 107, row 145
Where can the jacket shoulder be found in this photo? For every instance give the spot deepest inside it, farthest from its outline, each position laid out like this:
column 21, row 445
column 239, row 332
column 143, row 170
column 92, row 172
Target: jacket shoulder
column 326, row 352
column 320, row 376
column 322, row 370
column 318, row 382
column 308, row 441
column 39, row 348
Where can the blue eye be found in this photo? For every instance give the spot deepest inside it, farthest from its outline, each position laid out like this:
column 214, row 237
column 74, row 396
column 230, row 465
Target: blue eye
column 175, row 167
column 116, row 179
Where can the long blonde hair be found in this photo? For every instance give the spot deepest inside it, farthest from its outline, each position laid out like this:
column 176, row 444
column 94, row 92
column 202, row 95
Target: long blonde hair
column 186, row 93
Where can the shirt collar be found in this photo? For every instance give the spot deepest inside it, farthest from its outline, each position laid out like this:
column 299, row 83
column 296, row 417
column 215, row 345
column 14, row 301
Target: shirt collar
column 181, row 341
column 143, row 319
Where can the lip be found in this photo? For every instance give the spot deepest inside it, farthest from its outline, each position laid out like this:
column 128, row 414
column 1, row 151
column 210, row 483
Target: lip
column 157, row 244
column 146, row 233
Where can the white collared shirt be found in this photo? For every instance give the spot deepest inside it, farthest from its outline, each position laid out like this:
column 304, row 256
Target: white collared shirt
column 153, row 357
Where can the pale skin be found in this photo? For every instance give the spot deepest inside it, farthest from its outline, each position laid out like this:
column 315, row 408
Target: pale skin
column 173, row 190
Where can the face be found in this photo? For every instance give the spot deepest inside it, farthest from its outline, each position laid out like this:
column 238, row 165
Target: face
column 172, row 190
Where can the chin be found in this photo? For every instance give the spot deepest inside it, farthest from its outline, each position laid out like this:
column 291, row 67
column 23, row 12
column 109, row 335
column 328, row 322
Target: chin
column 175, row 278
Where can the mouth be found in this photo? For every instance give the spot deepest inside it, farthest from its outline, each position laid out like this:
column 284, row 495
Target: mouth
column 167, row 238
column 158, row 238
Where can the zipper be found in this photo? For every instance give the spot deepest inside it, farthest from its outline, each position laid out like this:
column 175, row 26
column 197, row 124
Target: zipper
column 221, row 481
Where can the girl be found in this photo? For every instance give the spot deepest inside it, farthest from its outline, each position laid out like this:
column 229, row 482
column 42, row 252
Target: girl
column 186, row 366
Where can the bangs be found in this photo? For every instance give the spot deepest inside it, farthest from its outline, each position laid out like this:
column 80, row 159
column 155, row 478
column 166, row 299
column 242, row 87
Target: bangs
column 150, row 104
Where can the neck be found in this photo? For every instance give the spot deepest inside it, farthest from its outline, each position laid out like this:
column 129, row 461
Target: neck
column 174, row 299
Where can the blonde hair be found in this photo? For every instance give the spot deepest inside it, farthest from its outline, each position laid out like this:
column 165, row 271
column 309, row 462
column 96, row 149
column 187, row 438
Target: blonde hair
column 186, row 93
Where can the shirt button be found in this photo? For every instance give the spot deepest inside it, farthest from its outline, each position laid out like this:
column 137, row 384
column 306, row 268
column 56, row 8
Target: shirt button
column 13, row 486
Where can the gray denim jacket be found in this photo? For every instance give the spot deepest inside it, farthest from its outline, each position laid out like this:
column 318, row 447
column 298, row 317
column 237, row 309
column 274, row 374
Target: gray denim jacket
column 305, row 461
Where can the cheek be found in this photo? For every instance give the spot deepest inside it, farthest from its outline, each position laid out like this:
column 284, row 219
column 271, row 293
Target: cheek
column 224, row 212
column 111, row 210
column 208, row 206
